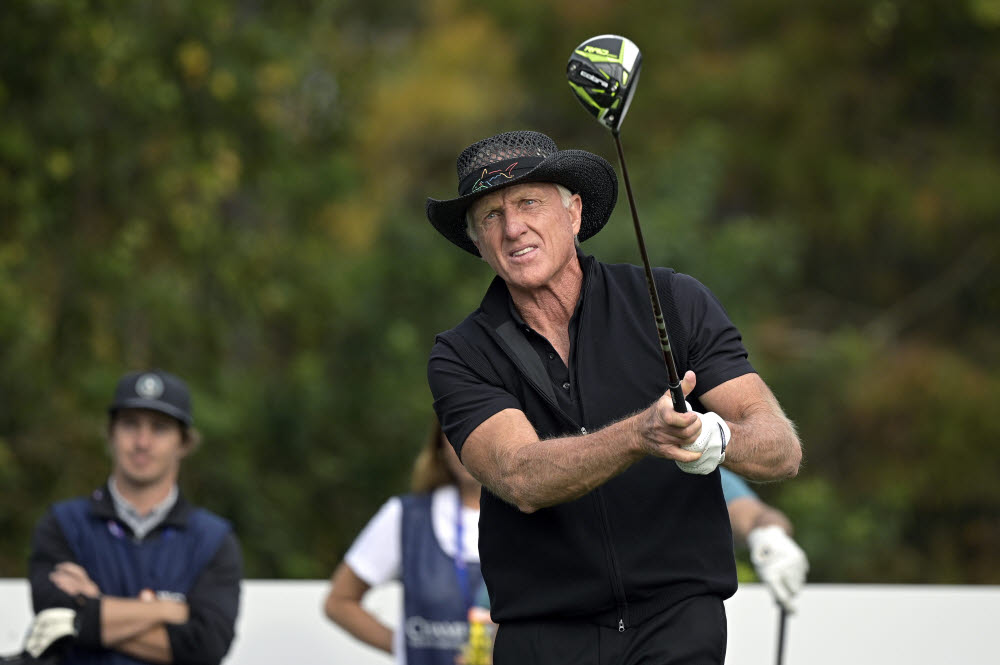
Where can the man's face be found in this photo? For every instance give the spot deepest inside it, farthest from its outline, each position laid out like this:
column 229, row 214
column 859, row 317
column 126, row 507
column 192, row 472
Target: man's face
column 147, row 447
column 526, row 233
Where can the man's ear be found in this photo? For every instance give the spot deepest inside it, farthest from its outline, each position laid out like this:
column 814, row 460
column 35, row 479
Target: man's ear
column 190, row 441
column 576, row 209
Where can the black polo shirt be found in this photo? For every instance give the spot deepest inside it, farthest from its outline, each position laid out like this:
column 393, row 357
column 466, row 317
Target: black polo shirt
column 711, row 343
column 564, row 385
column 646, row 539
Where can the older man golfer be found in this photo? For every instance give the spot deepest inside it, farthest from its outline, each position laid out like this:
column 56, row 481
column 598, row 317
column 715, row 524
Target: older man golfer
column 604, row 536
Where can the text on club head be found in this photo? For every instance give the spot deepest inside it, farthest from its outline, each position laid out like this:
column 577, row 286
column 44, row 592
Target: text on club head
column 593, row 79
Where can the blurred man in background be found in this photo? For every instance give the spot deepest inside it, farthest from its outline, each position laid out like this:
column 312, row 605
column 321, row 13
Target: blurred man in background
column 149, row 577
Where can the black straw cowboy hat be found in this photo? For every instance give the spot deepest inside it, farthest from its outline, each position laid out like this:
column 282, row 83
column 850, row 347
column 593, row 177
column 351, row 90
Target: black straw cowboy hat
column 512, row 158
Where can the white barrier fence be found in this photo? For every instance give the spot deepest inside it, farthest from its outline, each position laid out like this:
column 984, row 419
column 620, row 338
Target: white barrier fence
column 282, row 622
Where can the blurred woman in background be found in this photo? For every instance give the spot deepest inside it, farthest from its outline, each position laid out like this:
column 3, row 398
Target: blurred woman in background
column 428, row 540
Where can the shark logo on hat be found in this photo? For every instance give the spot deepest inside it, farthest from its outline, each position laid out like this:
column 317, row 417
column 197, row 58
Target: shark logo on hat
column 488, row 178
column 149, row 386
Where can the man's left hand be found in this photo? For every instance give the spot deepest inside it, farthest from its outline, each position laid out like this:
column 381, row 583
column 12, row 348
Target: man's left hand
column 711, row 443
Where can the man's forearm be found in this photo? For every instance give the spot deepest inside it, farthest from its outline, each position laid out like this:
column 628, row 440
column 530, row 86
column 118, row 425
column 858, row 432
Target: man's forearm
column 506, row 455
column 125, row 619
column 764, row 447
column 152, row 645
column 748, row 513
column 552, row 471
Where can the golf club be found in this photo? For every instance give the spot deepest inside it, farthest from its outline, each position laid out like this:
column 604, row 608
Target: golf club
column 603, row 72
column 781, row 635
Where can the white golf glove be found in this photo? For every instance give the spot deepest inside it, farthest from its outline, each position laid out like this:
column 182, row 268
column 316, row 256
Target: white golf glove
column 49, row 627
column 711, row 444
column 780, row 563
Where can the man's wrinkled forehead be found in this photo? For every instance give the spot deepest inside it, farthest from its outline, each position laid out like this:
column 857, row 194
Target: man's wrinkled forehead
column 496, row 198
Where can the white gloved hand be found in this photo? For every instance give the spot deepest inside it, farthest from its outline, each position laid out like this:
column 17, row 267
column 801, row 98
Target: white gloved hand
column 49, row 627
column 711, row 443
column 780, row 563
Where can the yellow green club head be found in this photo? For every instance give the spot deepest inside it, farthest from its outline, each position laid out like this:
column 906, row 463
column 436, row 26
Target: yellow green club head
column 603, row 72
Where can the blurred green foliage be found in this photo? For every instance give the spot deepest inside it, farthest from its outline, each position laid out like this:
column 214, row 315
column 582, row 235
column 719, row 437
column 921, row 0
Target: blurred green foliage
column 234, row 191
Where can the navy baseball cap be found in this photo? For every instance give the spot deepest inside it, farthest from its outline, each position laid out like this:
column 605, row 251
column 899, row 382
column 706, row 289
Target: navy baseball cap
column 155, row 390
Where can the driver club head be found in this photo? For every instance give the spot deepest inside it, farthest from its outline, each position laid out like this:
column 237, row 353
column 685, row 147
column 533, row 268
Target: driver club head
column 603, row 72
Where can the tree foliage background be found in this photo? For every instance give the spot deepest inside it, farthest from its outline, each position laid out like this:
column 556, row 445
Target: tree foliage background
column 233, row 191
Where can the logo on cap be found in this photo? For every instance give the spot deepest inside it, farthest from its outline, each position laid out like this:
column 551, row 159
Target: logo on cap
column 149, row 386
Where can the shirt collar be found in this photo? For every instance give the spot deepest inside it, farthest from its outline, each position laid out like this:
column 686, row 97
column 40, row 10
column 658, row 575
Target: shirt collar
column 141, row 525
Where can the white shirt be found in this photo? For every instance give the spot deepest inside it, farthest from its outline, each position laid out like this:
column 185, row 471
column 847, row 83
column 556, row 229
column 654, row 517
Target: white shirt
column 376, row 556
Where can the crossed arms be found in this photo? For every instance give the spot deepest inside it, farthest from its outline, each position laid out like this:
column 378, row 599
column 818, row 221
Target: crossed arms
column 157, row 629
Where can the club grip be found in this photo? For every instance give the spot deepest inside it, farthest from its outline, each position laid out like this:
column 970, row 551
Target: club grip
column 677, row 397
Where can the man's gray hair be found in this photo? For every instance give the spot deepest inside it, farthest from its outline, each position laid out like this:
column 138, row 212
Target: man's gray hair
column 470, row 224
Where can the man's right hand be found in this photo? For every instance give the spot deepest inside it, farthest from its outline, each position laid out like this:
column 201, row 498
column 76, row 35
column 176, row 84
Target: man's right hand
column 74, row 580
column 665, row 432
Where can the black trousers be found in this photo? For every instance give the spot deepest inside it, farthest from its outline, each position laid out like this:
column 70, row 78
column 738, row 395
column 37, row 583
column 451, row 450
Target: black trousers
column 692, row 632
